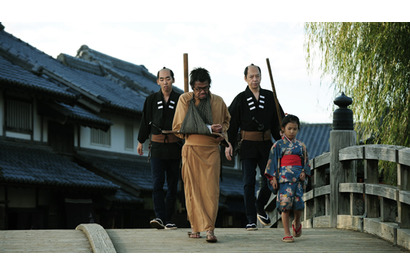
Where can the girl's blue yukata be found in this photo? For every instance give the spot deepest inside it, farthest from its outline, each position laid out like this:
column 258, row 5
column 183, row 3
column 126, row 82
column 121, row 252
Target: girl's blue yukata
column 287, row 160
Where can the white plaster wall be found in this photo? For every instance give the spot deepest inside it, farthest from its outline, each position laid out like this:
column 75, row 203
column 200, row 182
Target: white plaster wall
column 117, row 137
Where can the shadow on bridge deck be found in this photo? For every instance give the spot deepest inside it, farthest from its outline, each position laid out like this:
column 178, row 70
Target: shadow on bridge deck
column 93, row 238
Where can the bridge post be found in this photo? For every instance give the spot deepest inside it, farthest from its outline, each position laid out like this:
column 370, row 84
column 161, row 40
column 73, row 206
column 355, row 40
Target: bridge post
column 403, row 184
column 341, row 136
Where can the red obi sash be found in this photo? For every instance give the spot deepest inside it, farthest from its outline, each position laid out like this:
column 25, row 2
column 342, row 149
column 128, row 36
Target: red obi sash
column 291, row 160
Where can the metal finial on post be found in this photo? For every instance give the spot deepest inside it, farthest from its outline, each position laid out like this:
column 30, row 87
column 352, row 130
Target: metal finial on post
column 343, row 117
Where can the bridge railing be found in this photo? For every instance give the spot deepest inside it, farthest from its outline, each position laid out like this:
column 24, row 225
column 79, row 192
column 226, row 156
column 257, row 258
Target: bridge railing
column 369, row 206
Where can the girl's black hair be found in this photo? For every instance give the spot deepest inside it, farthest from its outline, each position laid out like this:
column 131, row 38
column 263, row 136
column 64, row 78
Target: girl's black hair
column 290, row 118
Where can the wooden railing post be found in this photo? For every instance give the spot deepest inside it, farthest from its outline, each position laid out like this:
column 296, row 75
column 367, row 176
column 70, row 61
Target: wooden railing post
column 320, row 203
column 403, row 184
column 341, row 136
column 371, row 175
column 339, row 139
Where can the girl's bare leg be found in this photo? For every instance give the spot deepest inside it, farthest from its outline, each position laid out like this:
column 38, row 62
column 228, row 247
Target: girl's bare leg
column 296, row 225
column 296, row 220
column 285, row 221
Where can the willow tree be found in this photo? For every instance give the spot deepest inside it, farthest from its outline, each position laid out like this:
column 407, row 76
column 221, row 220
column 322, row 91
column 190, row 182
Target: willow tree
column 369, row 62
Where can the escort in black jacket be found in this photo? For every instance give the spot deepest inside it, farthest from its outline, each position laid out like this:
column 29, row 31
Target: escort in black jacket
column 253, row 112
column 157, row 116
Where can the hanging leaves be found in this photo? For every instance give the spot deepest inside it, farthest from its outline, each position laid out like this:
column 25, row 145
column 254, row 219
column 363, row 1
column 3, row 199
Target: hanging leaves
column 369, row 62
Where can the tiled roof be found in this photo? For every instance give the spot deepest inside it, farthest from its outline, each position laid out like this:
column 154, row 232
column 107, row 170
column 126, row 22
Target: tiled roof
column 89, row 84
column 17, row 75
column 80, row 113
column 22, row 163
column 123, row 197
column 111, row 92
column 40, row 84
column 316, row 138
column 137, row 173
column 123, row 69
column 74, row 113
column 81, row 64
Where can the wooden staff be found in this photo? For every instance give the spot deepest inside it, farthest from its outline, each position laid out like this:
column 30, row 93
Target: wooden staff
column 186, row 89
column 274, row 93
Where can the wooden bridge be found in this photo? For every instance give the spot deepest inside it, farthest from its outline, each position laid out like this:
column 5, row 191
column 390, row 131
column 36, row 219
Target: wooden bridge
column 93, row 238
column 337, row 200
column 341, row 215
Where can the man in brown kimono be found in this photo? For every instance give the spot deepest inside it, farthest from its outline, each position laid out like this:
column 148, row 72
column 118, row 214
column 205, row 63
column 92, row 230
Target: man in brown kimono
column 199, row 114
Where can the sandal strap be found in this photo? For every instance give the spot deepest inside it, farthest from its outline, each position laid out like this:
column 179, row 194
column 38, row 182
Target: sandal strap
column 210, row 236
column 210, row 233
column 287, row 239
column 194, row 235
column 298, row 231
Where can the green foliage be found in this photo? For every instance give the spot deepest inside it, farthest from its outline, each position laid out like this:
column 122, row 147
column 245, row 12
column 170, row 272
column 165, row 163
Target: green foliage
column 369, row 62
column 388, row 172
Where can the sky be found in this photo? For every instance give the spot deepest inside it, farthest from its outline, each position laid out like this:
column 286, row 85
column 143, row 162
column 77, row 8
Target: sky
column 222, row 36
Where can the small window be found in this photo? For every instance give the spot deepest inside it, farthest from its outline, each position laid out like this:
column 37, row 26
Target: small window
column 19, row 116
column 129, row 136
column 101, row 137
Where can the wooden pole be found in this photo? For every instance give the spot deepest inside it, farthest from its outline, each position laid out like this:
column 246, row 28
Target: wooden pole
column 339, row 139
column 186, row 89
column 274, row 93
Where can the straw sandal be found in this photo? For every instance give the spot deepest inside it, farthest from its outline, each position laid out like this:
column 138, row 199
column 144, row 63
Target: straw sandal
column 210, row 237
column 298, row 232
column 288, row 239
column 194, row 235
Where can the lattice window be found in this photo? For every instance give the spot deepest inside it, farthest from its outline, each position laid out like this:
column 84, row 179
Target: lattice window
column 19, row 115
column 101, row 137
column 129, row 136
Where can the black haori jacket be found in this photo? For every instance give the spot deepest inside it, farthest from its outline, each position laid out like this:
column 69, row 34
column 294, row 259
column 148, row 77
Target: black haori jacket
column 250, row 114
column 158, row 115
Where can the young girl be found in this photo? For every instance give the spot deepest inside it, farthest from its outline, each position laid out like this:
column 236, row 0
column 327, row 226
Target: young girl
column 287, row 168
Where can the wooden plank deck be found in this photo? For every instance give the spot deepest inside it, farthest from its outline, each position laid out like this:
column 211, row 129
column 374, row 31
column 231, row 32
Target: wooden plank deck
column 230, row 240
column 233, row 240
column 44, row 241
